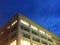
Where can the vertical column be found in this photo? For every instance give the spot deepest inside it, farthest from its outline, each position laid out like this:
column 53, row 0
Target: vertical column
column 46, row 39
column 18, row 32
column 39, row 36
column 54, row 43
column 30, row 35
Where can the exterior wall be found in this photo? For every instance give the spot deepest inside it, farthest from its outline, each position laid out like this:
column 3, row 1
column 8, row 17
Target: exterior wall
column 53, row 37
column 24, row 36
column 7, row 32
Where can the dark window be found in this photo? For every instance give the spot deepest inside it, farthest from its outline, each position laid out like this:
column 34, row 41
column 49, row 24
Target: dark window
column 49, row 39
column 42, row 36
column 26, row 35
column 35, row 33
column 7, row 32
column 43, row 42
column 36, row 39
column 12, row 30
column 25, row 28
column 50, row 44
column 13, row 35
column 6, row 40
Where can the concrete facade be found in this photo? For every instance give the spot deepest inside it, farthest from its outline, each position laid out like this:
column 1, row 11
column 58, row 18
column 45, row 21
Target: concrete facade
column 22, row 31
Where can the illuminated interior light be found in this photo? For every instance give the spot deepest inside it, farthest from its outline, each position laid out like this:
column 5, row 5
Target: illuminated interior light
column 13, row 43
column 34, row 27
column 2, row 32
column 25, row 42
column 48, row 35
column 14, row 23
column 41, row 31
column 24, row 22
column 8, row 27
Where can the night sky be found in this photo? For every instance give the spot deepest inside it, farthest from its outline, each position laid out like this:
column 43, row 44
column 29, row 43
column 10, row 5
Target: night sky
column 44, row 12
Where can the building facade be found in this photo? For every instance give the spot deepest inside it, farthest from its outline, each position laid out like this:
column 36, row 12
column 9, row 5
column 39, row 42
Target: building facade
column 21, row 31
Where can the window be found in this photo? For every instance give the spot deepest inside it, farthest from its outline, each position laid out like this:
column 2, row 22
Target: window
column 48, row 35
column 41, row 31
column 25, row 28
column 26, row 35
column 36, row 39
column 2, row 33
column 13, row 42
column 7, row 32
column 14, row 23
column 50, row 44
column 8, row 27
column 35, row 44
column 6, row 40
column 24, row 22
column 25, row 42
column 42, row 36
column 49, row 39
column 33, row 27
column 35, row 33
column 45, row 43
column 13, row 29
column 13, row 35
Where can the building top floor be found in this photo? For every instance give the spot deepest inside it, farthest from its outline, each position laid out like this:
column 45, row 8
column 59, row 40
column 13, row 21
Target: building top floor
column 19, row 18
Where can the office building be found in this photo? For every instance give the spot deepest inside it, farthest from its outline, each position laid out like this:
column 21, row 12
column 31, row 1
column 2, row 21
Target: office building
column 22, row 31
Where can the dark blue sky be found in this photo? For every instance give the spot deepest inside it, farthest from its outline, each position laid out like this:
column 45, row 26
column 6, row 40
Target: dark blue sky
column 44, row 12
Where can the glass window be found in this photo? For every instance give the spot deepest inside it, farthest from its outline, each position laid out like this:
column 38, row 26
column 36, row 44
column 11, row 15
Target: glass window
column 24, row 22
column 45, row 43
column 49, row 39
column 26, row 35
column 7, row 32
column 34, row 27
column 25, row 42
column 25, row 28
column 35, row 33
column 6, row 40
column 13, row 35
column 41, row 31
column 42, row 36
column 13, row 42
column 8, row 27
column 13, row 29
column 48, row 35
column 14, row 23
column 50, row 44
column 36, row 39
column 35, row 44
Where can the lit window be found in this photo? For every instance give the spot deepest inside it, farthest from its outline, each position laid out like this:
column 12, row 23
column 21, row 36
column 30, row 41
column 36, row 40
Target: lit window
column 8, row 27
column 41, row 31
column 48, row 35
column 13, row 43
column 2, row 32
column 24, row 22
column 24, row 42
column 14, row 22
column 35, row 44
column 34, row 27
